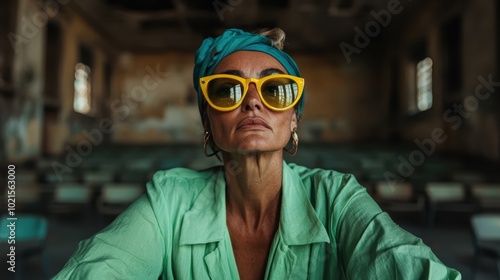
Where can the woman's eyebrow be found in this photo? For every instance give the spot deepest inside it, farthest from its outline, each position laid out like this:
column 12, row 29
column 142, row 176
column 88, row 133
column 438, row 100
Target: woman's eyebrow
column 263, row 73
column 270, row 71
column 233, row 72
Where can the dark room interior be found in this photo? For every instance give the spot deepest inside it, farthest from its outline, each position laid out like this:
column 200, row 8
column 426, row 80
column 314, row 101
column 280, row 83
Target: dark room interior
column 97, row 95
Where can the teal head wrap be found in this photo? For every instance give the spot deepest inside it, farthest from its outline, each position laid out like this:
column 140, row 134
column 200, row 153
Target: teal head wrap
column 213, row 50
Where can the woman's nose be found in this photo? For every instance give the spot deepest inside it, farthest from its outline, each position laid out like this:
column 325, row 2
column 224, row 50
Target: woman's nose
column 252, row 99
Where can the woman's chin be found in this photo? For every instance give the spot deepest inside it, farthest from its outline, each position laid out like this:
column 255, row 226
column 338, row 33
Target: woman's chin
column 253, row 143
column 256, row 149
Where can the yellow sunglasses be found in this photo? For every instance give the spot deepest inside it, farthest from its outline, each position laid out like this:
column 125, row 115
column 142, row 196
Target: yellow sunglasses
column 226, row 92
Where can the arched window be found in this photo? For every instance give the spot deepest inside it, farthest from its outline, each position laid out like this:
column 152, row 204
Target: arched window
column 420, row 79
column 82, row 100
column 424, row 84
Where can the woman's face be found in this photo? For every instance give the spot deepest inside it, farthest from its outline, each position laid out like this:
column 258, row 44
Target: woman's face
column 252, row 127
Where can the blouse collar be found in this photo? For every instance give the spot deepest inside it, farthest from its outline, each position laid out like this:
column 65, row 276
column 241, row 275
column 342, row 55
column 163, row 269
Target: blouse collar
column 205, row 222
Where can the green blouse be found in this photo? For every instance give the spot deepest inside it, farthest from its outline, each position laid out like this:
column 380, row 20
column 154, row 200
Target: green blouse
column 330, row 228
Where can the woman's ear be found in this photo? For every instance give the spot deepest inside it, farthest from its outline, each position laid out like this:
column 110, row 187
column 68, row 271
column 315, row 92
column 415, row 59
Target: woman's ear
column 294, row 121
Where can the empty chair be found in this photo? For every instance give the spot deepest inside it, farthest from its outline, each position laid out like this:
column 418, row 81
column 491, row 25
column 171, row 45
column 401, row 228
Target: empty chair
column 394, row 191
column 70, row 198
column 487, row 196
column 486, row 234
column 30, row 236
column 98, row 178
column 72, row 193
column 399, row 197
column 116, row 197
column 447, row 196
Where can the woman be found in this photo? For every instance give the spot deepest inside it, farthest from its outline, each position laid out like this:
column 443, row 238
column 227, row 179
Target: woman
column 255, row 217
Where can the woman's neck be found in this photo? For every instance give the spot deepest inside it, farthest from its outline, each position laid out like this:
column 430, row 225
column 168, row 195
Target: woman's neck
column 254, row 187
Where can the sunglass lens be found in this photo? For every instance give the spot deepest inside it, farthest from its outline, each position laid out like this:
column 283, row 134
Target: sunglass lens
column 280, row 92
column 224, row 92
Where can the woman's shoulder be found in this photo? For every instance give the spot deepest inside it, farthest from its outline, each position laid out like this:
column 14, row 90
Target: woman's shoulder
column 183, row 180
column 320, row 176
column 182, row 173
column 329, row 184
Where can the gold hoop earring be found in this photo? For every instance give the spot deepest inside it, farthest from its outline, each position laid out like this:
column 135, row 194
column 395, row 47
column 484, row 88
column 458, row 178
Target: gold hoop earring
column 295, row 143
column 206, row 138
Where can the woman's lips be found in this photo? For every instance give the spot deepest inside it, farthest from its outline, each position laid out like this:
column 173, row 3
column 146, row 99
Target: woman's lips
column 253, row 123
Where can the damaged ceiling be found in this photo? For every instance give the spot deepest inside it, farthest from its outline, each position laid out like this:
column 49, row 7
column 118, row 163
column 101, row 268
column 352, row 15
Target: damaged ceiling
column 153, row 25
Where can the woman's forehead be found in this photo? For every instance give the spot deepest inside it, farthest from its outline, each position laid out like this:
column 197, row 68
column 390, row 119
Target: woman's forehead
column 249, row 63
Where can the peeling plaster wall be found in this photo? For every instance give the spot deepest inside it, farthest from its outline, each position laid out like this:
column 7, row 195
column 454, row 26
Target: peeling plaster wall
column 28, row 133
column 23, row 125
column 155, row 101
column 341, row 102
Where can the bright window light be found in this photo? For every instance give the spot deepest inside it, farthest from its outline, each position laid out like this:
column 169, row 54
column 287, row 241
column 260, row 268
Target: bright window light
column 424, row 84
column 82, row 99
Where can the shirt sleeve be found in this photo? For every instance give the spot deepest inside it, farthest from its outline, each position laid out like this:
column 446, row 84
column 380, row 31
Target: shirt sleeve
column 131, row 247
column 372, row 246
